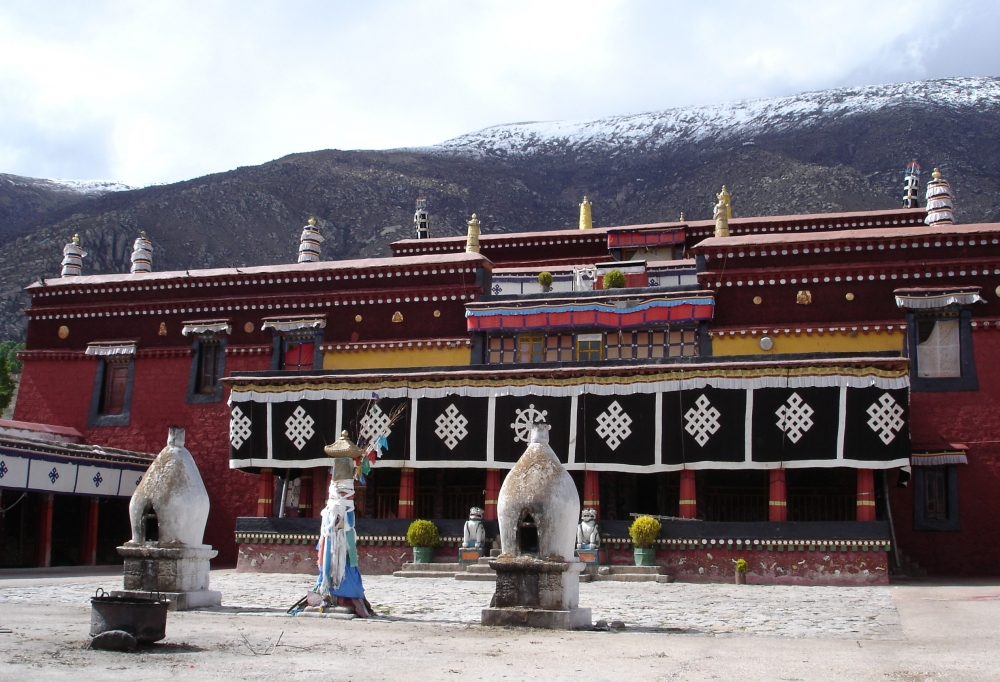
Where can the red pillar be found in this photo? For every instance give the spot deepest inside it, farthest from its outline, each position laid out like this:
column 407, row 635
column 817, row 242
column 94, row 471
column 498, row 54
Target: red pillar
column 320, row 489
column 265, row 493
column 306, row 495
column 406, row 494
column 88, row 535
column 43, row 548
column 592, row 491
column 493, row 482
column 689, row 501
column 778, row 503
column 866, row 495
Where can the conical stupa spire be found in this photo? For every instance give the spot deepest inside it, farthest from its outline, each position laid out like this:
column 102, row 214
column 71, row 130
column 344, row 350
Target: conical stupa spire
column 940, row 209
column 142, row 254
column 73, row 255
column 309, row 243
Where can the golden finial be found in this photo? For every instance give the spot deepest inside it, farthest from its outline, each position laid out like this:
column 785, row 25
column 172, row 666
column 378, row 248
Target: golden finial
column 586, row 219
column 722, row 213
column 142, row 234
column 312, row 221
column 681, row 219
column 936, row 174
column 472, row 241
column 76, row 240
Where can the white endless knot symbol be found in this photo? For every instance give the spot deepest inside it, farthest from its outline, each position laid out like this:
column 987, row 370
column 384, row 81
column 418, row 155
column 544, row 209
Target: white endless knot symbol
column 612, row 425
column 374, row 425
column 451, row 426
column 239, row 428
column 525, row 418
column 794, row 418
column 702, row 420
column 299, row 428
column 886, row 418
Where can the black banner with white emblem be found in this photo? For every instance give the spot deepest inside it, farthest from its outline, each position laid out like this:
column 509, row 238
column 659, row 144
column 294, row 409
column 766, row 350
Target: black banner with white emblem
column 795, row 424
column 512, row 425
column 452, row 429
column 617, row 429
column 706, row 425
column 367, row 420
column 300, row 430
column 876, row 424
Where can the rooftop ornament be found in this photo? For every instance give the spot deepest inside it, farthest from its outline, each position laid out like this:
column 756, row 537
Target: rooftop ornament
column 309, row 243
column 142, row 254
column 940, row 209
column 722, row 213
column 586, row 220
column 73, row 255
column 472, row 241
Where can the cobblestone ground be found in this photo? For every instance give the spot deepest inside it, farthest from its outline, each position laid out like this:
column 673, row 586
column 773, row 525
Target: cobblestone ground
column 781, row 611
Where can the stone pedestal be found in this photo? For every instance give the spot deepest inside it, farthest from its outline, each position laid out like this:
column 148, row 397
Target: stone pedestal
column 536, row 593
column 178, row 573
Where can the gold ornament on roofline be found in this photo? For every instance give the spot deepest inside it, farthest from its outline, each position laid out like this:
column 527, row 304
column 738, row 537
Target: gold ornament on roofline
column 163, row 329
column 357, row 318
column 757, row 300
column 312, row 221
column 849, row 296
column 472, row 240
column 63, row 332
column 804, row 297
column 248, row 327
column 586, row 218
column 437, row 313
column 397, row 316
column 722, row 212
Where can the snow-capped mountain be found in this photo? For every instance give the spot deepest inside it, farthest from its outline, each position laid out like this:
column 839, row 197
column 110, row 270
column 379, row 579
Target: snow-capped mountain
column 734, row 121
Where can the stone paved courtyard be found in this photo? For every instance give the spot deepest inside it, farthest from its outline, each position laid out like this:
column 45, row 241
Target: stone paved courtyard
column 788, row 611
column 429, row 631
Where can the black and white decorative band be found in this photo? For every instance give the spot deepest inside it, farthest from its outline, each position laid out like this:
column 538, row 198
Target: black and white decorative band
column 698, row 427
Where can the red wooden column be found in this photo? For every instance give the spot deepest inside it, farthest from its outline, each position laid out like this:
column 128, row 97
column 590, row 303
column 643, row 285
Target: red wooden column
column 43, row 548
column 406, row 494
column 88, row 535
column 265, row 493
column 493, row 482
column 306, row 495
column 320, row 489
column 689, row 502
column 866, row 495
column 778, row 503
column 592, row 491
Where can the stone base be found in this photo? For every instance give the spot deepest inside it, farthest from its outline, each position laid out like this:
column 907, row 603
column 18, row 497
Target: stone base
column 178, row 569
column 179, row 601
column 574, row 619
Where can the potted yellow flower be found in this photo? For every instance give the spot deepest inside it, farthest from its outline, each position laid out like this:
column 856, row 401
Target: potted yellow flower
column 422, row 536
column 644, row 531
column 741, row 571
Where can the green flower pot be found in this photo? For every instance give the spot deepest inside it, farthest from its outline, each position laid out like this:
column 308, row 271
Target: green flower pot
column 645, row 556
column 423, row 555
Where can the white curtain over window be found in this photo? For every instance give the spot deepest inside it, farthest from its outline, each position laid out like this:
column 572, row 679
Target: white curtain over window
column 940, row 355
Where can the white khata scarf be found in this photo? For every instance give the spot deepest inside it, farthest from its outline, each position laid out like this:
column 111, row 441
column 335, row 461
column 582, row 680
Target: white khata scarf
column 336, row 532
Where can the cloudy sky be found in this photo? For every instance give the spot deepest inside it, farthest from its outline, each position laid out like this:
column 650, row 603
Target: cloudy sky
column 150, row 91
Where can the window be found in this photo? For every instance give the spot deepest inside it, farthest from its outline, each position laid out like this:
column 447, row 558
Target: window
column 298, row 353
column 935, row 498
column 530, row 348
column 115, row 384
column 501, row 350
column 588, row 347
column 112, row 394
column 938, row 349
column 651, row 345
column 559, row 348
column 209, row 367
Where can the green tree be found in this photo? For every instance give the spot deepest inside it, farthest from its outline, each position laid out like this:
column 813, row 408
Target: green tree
column 6, row 384
column 9, row 349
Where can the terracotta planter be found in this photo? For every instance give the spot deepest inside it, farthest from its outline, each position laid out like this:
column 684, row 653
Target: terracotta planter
column 741, row 578
column 645, row 556
column 423, row 555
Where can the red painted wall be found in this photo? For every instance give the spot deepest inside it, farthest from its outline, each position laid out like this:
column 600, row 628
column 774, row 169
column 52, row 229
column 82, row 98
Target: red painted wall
column 972, row 418
column 59, row 392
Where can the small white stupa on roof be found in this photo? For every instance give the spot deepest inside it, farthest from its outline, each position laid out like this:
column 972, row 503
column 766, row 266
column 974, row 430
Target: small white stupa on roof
column 309, row 243
column 940, row 209
column 142, row 254
column 73, row 255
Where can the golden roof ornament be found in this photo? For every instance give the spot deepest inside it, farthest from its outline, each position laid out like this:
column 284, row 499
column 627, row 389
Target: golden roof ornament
column 722, row 213
column 343, row 447
column 76, row 237
column 312, row 220
column 586, row 218
column 472, row 241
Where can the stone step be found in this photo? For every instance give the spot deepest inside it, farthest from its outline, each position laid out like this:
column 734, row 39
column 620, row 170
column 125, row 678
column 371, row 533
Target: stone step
column 483, row 577
column 479, row 569
column 484, row 560
column 627, row 577
column 444, row 567
column 424, row 574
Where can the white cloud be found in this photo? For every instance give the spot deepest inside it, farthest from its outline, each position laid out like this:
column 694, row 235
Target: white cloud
column 156, row 91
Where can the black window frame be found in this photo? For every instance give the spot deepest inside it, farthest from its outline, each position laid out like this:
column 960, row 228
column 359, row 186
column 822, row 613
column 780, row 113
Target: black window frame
column 969, row 381
column 920, row 522
column 201, row 342
column 97, row 418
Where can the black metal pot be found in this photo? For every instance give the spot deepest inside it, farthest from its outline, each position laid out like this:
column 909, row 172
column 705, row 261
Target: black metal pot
column 144, row 619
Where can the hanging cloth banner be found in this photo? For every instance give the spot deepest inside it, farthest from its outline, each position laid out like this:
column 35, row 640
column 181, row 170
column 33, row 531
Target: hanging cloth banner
column 856, row 418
